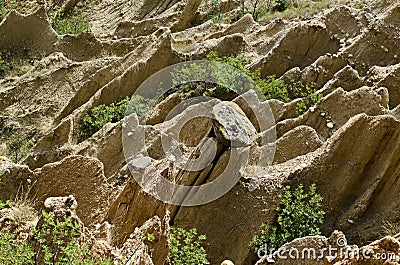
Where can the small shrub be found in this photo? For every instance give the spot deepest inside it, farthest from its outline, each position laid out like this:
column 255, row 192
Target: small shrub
column 198, row 88
column 6, row 204
column 282, row 5
column 55, row 240
column 310, row 99
column 57, row 243
column 149, row 237
column 271, row 87
column 14, row 62
column 73, row 24
column 359, row 5
column 299, row 214
column 19, row 147
column 187, row 247
column 13, row 251
column 141, row 106
column 99, row 116
column 3, row 11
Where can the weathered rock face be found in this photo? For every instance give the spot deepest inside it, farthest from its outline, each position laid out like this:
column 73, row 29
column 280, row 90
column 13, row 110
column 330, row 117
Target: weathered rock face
column 299, row 141
column 62, row 179
column 347, row 144
column 388, row 77
column 326, row 118
column 232, row 125
column 34, row 33
column 293, row 51
column 156, row 250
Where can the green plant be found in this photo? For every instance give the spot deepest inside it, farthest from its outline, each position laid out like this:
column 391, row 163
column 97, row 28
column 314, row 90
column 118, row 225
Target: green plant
column 19, row 147
column 57, row 242
column 359, row 5
column 6, row 204
column 299, row 214
column 3, row 11
column 69, row 24
column 310, row 99
column 149, row 237
column 226, row 77
column 14, row 62
column 271, row 87
column 13, row 251
column 99, row 116
column 141, row 106
column 187, row 247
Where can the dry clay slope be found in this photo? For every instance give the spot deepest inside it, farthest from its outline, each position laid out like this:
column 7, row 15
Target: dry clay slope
column 355, row 162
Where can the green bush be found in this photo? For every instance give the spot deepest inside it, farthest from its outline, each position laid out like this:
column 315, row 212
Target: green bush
column 19, row 147
column 226, row 76
column 141, row 106
column 282, row 5
column 3, row 11
column 99, row 116
column 13, row 251
column 271, row 87
column 56, row 241
column 73, row 24
column 299, row 214
column 310, row 99
column 187, row 247
column 6, row 204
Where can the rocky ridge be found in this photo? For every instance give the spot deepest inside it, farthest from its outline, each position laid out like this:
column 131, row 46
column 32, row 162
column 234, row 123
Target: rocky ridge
column 347, row 144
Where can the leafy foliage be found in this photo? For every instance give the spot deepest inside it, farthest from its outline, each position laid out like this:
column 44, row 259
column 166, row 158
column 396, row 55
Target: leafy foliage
column 3, row 11
column 149, row 237
column 56, row 241
column 187, row 247
column 6, row 204
column 299, row 214
column 69, row 24
column 14, row 62
column 310, row 99
column 58, row 244
column 100, row 116
column 185, row 79
column 141, row 106
column 259, row 8
column 14, row 252
column 19, row 147
column 271, row 87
